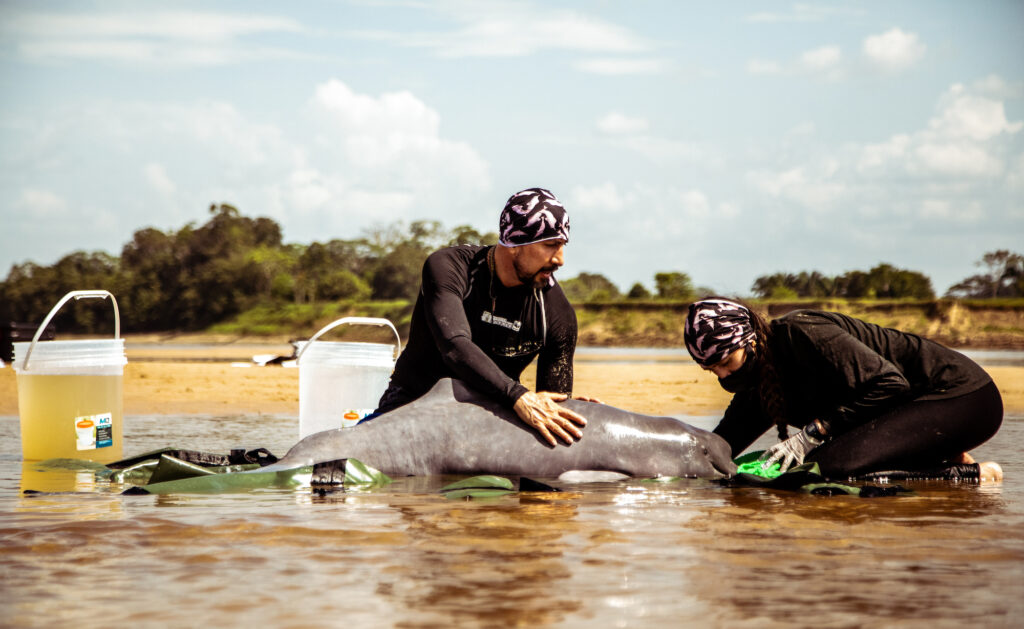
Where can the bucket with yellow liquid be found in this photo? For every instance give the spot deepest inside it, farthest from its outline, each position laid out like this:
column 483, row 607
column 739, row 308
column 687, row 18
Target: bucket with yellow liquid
column 70, row 392
column 340, row 383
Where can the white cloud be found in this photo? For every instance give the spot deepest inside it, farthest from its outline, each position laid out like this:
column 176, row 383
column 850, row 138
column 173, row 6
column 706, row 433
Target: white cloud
column 1015, row 178
column 824, row 60
column 36, row 203
column 803, row 129
column 965, row 115
column 377, row 130
column 894, row 50
column 344, row 162
column 663, row 150
column 394, row 138
column 821, row 59
column 515, row 30
column 957, row 159
column 307, row 188
column 995, row 86
column 815, row 187
column 177, row 25
column 157, row 177
column 881, row 154
column 667, row 212
column 764, row 66
column 604, row 198
column 964, row 139
column 802, row 12
column 164, row 38
column 694, row 203
column 615, row 123
column 621, row 66
column 948, row 211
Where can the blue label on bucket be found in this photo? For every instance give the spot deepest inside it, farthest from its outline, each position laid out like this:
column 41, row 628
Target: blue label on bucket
column 94, row 431
column 104, row 431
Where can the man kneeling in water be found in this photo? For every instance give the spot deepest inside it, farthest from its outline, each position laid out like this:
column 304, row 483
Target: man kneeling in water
column 484, row 313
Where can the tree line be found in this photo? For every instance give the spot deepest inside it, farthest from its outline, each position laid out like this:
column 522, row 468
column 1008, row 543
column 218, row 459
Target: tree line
column 193, row 277
column 1003, row 277
column 883, row 281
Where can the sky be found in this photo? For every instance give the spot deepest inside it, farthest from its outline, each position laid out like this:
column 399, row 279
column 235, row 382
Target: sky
column 726, row 140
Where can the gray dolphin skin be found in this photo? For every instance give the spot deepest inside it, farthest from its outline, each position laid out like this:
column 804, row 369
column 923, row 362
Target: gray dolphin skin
column 455, row 430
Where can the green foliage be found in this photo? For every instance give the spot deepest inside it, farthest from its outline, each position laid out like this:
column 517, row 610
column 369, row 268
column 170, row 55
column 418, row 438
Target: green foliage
column 31, row 289
column 1004, row 277
column 233, row 272
column 883, row 281
column 402, row 252
column 674, row 285
column 638, row 291
column 589, row 287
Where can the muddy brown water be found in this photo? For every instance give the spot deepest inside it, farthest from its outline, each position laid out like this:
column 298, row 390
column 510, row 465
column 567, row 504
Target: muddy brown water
column 626, row 554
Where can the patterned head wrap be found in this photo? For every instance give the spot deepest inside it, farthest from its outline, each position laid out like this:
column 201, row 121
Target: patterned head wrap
column 531, row 216
column 715, row 328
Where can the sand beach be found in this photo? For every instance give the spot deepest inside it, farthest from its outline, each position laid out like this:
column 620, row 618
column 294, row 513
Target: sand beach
column 200, row 377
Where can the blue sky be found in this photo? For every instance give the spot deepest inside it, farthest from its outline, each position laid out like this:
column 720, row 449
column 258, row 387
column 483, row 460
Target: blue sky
column 727, row 140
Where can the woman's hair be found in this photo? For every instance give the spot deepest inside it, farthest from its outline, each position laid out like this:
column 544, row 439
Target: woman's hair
column 769, row 388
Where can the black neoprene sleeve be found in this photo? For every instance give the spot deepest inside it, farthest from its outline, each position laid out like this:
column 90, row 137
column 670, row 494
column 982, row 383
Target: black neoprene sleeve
column 442, row 292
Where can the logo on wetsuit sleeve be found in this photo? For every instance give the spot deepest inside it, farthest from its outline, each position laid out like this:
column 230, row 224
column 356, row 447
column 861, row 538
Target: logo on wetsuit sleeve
column 487, row 317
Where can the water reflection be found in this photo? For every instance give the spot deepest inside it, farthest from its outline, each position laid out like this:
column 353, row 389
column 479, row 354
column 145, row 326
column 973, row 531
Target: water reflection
column 929, row 504
column 605, row 554
column 497, row 564
column 767, row 555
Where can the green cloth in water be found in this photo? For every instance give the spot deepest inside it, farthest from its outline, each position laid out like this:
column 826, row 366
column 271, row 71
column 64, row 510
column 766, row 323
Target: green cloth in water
column 758, row 468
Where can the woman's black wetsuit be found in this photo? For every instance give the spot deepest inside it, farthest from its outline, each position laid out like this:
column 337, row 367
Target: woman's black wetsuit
column 466, row 324
column 892, row 400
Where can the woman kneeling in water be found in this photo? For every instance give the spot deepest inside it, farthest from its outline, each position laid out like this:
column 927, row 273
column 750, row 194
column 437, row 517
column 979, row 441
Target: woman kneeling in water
column 866, row 398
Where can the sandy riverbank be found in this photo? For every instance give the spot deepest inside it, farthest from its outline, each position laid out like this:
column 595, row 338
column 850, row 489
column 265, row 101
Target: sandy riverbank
column 218, row 388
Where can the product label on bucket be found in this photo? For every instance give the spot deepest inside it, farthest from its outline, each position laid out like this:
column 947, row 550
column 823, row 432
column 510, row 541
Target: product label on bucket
column 94, row 431
column 352, row 416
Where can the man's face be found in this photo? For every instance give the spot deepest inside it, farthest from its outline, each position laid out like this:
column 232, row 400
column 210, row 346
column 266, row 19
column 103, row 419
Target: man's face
column 536, row 263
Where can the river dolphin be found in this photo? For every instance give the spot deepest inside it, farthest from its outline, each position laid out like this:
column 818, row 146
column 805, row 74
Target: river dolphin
column 453, row 429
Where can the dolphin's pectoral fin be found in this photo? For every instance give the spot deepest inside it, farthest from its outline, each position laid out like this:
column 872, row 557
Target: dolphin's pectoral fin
column 591, row 476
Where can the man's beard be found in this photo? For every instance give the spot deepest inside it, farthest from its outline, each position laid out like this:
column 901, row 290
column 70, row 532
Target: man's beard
column 533, row 280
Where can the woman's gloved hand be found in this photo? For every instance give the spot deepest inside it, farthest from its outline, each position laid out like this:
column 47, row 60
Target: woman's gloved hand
column 791, row 451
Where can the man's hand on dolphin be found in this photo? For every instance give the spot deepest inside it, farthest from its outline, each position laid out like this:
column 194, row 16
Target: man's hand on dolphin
column 541, row 411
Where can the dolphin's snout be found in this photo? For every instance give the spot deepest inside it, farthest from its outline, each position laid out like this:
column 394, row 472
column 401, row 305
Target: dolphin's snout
column 719, row 453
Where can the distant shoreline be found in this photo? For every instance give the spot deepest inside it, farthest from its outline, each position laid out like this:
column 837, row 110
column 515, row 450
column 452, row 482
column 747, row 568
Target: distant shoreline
column 196, row 385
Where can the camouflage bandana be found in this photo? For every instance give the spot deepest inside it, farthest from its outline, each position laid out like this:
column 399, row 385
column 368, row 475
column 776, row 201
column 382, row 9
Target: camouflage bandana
column 715, row 328
column 531, row 216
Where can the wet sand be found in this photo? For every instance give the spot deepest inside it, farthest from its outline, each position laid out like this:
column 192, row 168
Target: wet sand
column 218, row 388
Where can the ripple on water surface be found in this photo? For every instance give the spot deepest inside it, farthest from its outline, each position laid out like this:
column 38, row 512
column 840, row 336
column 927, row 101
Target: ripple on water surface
column 611, row 553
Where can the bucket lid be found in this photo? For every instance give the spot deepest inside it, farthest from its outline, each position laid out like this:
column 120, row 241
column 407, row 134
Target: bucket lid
column 306, row 347
column 57, row 356
column 337, row 353
column 79, row 356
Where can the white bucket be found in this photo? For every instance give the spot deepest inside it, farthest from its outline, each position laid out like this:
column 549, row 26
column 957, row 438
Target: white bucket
column 341, row 383
column 70, row 393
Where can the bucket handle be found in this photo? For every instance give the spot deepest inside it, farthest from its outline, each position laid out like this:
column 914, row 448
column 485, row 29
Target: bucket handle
column 76, row 295
column 353, row 320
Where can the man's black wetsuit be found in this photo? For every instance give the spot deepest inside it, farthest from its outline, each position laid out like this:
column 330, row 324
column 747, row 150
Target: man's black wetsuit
column 467, row 325
column 892, row 400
